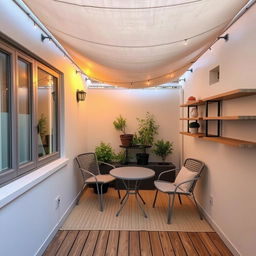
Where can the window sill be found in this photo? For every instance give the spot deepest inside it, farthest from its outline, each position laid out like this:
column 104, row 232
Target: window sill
column 16, row 188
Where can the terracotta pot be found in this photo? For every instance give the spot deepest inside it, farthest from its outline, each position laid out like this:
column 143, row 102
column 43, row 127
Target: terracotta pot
column 126, row 139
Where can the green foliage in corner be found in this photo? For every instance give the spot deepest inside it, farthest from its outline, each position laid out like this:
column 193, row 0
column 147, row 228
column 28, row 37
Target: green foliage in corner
column 163, row 148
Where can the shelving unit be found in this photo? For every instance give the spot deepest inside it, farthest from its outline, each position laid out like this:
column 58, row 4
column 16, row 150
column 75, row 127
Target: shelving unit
column 218, row 99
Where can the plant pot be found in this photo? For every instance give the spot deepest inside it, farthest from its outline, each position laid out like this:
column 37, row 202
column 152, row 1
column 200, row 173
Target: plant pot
column 104, row 188
column 126, row 139
column 193, row 130
column 142, row 158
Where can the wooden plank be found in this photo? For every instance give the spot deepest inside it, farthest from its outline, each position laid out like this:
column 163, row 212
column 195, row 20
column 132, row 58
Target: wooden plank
column 230, row 118
column 67, row 243
column 155, row 244
column 223, row 249
column 193, row 103
column 191, row 118
column 101, row 245
column 79, row 243
column 145, row 248
column 198, row 244
column 56, row 243
column 232, row 142
column 196, row 135
column 211, row 248
column 134, row 248
column 112, row 243
column 176, row 244
column 123, row 248
column 166, row 244
column 90, row 243
column 232, row 94
column 187, row 244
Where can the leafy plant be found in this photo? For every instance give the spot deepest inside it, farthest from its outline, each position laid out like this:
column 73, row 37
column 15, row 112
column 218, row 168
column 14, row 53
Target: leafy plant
column 120, row 157
column 194, row 125
column 120, row 124
column 42, row 125
column 147, row 130
column 163, row 148
column 104, row 152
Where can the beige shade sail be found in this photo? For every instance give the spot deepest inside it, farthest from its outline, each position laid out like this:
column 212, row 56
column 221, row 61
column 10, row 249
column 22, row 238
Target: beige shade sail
column 135, row 43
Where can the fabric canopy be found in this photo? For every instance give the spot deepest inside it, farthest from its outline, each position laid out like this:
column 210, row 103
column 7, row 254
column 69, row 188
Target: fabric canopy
column 135, row 43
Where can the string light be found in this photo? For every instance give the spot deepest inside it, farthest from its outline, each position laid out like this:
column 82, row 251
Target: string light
column 185, row 42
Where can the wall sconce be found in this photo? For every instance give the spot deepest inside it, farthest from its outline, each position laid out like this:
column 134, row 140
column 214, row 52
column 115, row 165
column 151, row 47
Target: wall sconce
column 80, row 95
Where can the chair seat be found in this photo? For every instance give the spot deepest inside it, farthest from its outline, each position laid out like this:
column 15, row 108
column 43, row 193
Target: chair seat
column 102, row 178
column 167, row 187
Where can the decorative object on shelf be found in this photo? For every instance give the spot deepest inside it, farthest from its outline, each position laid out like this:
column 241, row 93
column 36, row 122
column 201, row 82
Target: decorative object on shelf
column 120, row 125
column 80, row 95
column 194, row 127
column 194, row 112
column 147, row 130
column 163, row 149
column 191, row 99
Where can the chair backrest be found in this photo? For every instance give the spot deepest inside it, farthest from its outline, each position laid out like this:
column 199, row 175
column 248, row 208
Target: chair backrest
column 88, row 162
column 194, row 165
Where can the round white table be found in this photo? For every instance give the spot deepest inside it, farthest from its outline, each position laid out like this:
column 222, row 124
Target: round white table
column 129, row 175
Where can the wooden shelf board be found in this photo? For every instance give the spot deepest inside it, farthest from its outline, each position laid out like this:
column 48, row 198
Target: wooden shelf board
column 231, row 142
column 194, row 103
column 191, row 118
column 232, row 95
column 230, row 118
column 196, row 135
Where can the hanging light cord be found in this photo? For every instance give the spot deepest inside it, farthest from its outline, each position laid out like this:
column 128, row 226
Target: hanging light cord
column 127, row 8
column 138, row 46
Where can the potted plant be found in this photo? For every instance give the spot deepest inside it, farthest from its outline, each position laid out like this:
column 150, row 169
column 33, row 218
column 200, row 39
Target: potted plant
column 104, row 153
column 145, row 136
column 120, row 125
column 163, row 149
column 194, row 127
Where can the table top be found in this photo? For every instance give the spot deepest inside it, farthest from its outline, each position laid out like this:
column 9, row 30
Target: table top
column 132, row 173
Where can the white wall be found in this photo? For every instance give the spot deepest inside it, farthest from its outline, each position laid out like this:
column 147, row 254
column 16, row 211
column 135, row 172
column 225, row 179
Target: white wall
column 230, row 176
column 104, row 105
column 28, row 220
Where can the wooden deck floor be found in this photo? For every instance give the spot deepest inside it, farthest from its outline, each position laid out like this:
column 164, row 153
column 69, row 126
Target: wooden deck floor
column 133, row 243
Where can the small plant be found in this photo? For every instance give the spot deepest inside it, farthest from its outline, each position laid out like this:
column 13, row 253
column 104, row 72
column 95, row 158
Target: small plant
column 42, row 125
column 163, row 148
column 104, row 152
column 120, row 124
column 194, row 125
column 147, row 130
column 120, row 157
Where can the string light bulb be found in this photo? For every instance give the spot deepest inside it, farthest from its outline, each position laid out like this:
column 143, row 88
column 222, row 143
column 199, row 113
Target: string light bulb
column 185, row 42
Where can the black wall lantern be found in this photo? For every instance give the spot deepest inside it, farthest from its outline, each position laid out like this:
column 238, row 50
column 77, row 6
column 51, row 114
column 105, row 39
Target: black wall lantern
column 80, row 95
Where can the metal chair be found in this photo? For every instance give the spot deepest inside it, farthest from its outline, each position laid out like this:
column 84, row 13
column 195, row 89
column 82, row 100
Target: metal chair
column 175, row 189
column 89, row 167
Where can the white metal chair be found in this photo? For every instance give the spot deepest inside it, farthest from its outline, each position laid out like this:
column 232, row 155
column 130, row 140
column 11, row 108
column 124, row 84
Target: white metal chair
column 173, row 189
column 89, row 167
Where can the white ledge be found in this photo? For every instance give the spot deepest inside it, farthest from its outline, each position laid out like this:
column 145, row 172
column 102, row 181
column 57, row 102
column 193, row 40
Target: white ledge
column 16, row 188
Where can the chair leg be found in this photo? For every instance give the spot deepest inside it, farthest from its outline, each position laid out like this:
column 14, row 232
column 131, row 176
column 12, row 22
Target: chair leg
column 180, row 198
column 154, row 203
column 198, row 210
column 80, row 195
column 99, row 196
column 119, row 195
column 170, row 208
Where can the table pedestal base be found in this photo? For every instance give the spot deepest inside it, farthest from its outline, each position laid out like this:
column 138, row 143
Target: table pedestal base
column 132, row 191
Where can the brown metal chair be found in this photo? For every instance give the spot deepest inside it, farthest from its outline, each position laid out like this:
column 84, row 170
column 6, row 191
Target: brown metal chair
column 176, row 189
column 89, row 167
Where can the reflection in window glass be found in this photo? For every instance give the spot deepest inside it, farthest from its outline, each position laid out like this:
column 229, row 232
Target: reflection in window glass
column 24, row 117
column 4, row 111
column 47, row 113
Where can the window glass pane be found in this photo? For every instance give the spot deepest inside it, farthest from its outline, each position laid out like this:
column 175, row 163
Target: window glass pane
column 47, row 113
column 24, row 114
column 5, row 159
